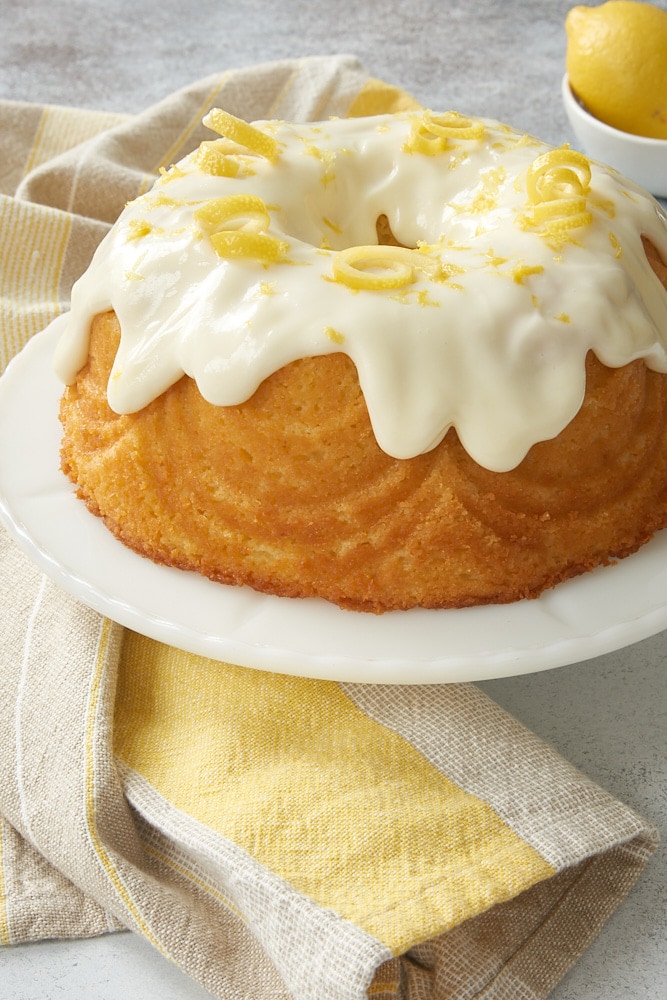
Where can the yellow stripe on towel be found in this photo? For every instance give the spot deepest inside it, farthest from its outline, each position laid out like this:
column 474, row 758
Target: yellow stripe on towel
column 62, row 128
column 33, row 240
column 90, row 789
column 344, row 809
column 379, row 98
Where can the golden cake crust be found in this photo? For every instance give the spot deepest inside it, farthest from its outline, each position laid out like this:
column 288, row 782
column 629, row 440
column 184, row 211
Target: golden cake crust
column 290, row 493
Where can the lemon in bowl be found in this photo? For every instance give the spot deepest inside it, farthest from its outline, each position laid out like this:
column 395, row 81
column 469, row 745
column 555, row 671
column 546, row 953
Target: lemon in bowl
column 615, row 87
column 641, row 159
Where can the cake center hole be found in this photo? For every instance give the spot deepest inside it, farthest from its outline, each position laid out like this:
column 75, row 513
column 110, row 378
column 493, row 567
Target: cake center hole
column 385, row 236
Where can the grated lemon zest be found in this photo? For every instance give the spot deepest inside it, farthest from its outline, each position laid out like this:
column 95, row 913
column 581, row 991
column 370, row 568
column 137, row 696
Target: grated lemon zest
column 139, row 228
column 171, row 174
column 310, row 149
column 331, row 225
column 486, row 199
column 523, row 271
column 162, row 200
column 436, row 269
column 424, row 300
column 335, row 335
column 237, row 243
column 494, row 259
column 605, row 206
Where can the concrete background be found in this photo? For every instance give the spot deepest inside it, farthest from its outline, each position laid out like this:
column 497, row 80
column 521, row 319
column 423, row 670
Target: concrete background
column 500, row 59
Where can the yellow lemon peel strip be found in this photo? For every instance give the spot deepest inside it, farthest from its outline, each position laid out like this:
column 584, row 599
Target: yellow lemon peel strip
column 236, row 227
column 211, row 160
column 375, row 267
column 431, row 134
column 559, row 208
column 558, row 173
column 235, row 211
column 557, row 184
column 241, row 132
column 236, row 243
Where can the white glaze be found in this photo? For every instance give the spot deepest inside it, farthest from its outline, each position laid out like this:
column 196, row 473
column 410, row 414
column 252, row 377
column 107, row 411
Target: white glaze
column 499, row 359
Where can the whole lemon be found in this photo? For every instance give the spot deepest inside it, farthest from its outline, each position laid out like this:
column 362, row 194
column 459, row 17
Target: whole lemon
column 617, row 64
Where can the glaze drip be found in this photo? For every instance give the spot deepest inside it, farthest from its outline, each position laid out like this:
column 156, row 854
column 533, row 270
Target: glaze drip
column 261, row 247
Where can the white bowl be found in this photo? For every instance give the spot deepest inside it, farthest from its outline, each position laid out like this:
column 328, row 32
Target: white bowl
column 641, row 159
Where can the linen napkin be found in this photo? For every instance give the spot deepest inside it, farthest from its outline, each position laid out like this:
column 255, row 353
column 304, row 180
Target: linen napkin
column 275, row 836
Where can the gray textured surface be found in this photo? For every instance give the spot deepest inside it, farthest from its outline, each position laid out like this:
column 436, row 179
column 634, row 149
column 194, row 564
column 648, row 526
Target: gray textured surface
column 501, row 59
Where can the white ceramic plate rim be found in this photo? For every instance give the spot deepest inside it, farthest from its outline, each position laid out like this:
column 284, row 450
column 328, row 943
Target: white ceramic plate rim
column 594, row 614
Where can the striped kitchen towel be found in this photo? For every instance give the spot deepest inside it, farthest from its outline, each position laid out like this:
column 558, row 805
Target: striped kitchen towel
column 275, row 836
